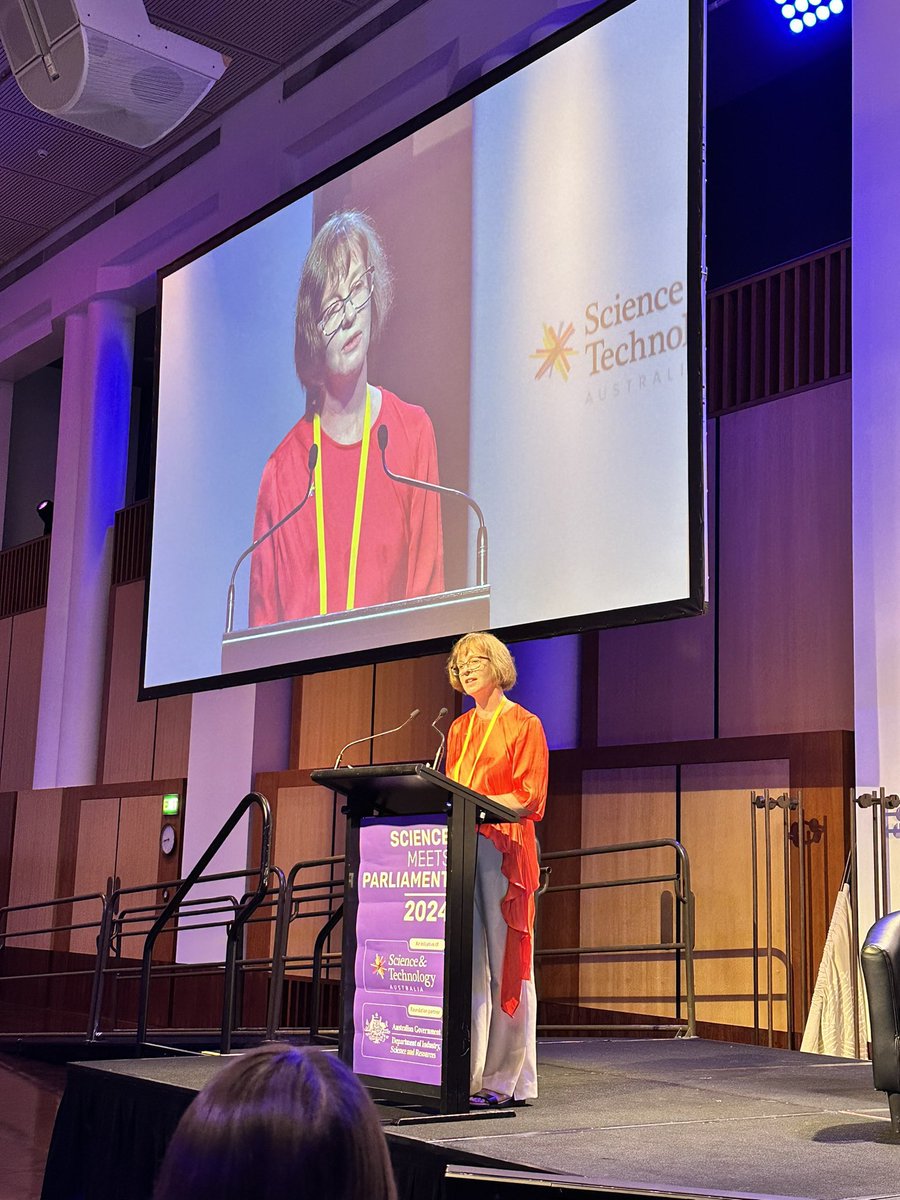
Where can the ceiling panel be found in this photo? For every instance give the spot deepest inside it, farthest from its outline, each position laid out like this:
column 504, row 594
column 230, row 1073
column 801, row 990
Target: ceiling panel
column 268, row 28
column 43, row 203
column 58, row 152
column 15, row 236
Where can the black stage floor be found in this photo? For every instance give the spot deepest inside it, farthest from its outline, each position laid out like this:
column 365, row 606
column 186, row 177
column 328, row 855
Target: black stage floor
column 637, row 1117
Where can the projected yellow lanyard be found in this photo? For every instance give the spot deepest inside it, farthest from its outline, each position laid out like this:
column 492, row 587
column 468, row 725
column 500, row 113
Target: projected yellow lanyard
column 357, row 512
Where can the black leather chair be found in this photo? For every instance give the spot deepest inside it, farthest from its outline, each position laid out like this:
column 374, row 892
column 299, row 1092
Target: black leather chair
column 881, row 971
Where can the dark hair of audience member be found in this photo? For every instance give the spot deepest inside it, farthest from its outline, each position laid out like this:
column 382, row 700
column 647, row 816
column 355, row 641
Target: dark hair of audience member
column 279, row 1121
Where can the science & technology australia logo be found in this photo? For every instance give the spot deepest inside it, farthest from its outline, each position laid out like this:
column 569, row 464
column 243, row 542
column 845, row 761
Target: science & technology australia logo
column 556, row 351
column 620, row 332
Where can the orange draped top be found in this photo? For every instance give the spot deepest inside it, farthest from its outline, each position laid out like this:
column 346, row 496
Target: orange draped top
column 514, row 760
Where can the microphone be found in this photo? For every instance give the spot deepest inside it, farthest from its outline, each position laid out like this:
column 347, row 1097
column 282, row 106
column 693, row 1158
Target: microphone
column 440, row 749
column 373, row 736
column 311, row 465
column 481, row 544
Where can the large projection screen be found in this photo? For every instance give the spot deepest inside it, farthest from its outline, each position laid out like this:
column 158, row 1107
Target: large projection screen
column 503, row 300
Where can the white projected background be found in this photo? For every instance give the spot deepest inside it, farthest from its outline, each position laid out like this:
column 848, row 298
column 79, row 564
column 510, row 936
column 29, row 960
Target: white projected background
column 583, row 478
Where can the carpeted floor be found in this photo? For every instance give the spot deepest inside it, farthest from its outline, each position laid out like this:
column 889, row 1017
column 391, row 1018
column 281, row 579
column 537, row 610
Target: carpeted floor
column 697, row 1115
column 29, row 1098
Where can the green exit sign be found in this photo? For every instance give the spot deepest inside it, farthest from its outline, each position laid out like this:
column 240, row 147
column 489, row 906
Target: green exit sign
column 171, row 804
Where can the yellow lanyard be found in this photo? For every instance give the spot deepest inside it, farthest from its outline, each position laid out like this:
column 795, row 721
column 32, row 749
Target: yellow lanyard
column 357, row 512
column 454, row 774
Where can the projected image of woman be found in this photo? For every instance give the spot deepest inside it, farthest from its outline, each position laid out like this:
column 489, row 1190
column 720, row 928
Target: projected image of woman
column 361, row 539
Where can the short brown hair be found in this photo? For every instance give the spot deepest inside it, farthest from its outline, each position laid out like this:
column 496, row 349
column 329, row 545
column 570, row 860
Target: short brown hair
column 501, row 662
column 279, row 1121
column 328, row 259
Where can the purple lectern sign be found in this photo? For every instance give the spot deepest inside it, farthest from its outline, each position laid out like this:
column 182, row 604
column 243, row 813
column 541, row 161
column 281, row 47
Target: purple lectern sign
column 398, row 1006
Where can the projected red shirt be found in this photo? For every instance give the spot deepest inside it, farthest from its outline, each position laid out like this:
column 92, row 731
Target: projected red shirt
column 400, row 541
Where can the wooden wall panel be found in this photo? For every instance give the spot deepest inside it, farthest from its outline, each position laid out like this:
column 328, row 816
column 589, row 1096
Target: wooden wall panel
column 399, row 688
column 35, row 850
column 307, row 827
column 716, row 832
column 557, row 917
column 22, row 701
column 138, row 859
column 656, row 682
column 7, row 829
column 95, row 863
column 140, row 824
column 173, row 737
column 618, row 806
column 6, row 627
column 335, row 707
column 785, row 569
column 130, row 727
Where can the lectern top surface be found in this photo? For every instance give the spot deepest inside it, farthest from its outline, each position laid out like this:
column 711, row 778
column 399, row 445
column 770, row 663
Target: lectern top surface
column 405, row 788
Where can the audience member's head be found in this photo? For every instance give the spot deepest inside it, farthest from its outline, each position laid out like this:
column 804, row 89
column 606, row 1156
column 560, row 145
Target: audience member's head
column 279, row 1121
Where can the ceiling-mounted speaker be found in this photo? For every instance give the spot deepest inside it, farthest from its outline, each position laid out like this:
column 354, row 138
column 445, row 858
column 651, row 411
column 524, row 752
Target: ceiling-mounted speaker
column 103, row 65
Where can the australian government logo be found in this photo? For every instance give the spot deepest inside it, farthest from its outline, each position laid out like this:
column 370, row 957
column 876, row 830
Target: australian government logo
column 377, row 1029
column 620, row 346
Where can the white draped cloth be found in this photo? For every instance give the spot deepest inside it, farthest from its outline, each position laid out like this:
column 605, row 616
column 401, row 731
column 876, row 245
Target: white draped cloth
column 830, row 1027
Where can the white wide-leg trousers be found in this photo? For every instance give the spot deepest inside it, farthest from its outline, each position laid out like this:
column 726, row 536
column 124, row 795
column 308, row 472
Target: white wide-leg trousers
column 504, row 1052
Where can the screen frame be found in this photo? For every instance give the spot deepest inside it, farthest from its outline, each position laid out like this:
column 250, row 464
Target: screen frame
column 695, row 603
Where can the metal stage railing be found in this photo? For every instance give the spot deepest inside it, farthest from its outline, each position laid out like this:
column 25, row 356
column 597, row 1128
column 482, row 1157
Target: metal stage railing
column 124, row 915
column 794, row 833
column 680, row 878
column 884, row 808
column 284, row 903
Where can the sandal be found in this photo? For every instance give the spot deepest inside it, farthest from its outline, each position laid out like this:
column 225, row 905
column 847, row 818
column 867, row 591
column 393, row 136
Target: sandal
column 488, row 1099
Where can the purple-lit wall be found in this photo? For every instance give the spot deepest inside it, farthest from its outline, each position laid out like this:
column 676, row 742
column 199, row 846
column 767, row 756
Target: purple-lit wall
column 876, row 404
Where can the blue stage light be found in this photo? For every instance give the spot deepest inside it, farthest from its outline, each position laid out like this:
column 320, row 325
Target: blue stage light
column 806, row 14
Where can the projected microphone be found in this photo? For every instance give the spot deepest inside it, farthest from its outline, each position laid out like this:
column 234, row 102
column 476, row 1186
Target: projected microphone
column 311, row 464
column 373, row 736
column 481, row 545
column 440, row 749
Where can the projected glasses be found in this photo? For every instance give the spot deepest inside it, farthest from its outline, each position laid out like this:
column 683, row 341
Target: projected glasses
column 468, row 667
column 359, row 296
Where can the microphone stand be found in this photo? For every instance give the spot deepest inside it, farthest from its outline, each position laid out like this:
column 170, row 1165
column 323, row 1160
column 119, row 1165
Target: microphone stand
column 440, row 749
column 481, row 542
column 229, row 615
column 372, row 736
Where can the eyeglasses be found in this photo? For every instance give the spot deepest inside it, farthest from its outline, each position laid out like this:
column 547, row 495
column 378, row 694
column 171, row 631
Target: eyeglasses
column 359, row 296
column 471, row 664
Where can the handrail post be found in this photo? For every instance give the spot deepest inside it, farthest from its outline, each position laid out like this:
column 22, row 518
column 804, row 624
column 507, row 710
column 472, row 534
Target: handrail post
column 228, row 989
column 689, row 915
column 316, row 995
column 104, row 937
column 246, row 909
column 279, row 953
column 252, row 798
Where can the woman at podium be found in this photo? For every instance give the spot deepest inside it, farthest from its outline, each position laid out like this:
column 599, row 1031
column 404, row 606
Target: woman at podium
column 500, row 750
column 361, row 539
